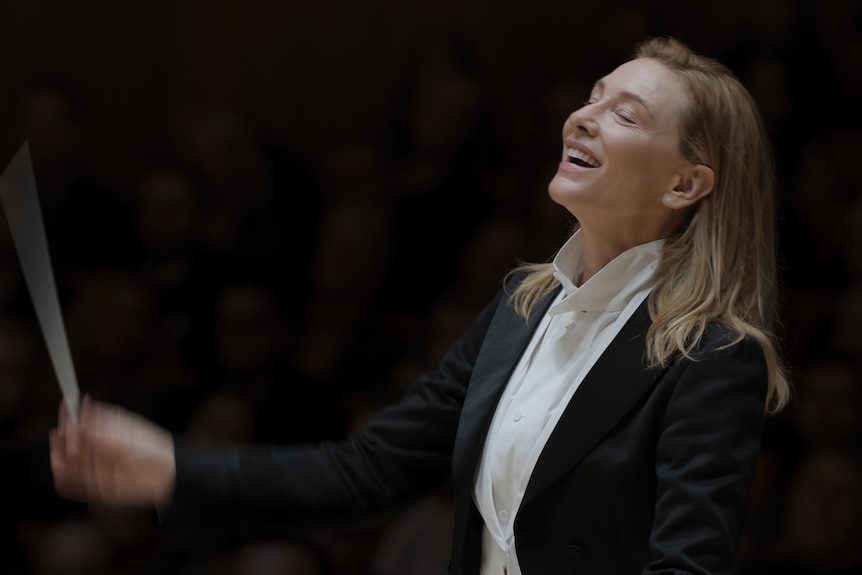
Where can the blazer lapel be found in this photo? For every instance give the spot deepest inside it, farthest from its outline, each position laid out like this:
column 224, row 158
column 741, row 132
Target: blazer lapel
column 505, row 342
column 612, row 387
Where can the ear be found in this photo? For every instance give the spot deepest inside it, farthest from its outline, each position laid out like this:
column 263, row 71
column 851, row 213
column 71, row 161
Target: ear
column 692, row 184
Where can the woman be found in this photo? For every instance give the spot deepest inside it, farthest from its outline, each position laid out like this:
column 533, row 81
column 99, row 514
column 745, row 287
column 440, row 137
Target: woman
column 603, row 414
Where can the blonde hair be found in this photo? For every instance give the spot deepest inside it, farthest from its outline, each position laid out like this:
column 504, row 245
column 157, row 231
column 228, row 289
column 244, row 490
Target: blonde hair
column 722, row 265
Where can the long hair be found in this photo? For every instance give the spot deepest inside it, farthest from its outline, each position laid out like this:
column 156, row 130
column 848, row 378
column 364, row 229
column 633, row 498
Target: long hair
column 721, row 267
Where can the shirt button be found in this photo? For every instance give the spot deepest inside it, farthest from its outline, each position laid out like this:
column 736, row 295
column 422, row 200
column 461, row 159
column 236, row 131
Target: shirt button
column 518, row 416
column 503, row 516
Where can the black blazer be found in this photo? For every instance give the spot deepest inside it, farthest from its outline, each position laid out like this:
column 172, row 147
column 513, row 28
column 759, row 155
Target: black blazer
column 647, row 471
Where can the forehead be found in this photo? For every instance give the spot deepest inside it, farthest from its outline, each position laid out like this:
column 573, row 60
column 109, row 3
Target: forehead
column 660, row 88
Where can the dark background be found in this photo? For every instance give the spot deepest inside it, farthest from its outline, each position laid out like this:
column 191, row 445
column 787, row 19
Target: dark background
column 266, row 218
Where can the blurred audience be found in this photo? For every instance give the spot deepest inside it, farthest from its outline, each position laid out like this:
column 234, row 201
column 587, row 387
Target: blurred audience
column 828, row 406
column 822, row 520
column 242, row 291
column 87, row 223
column 76, row 545
column 222, row 418
column 168, row 218
column 418, row 540
column 439, row 148
column 279, row 558
column 254, row 330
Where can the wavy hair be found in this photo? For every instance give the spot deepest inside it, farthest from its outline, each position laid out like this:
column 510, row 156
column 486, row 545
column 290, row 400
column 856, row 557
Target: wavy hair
column 721, row 267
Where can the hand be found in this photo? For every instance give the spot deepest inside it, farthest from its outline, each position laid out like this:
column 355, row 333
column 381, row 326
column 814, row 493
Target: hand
column 112, row 456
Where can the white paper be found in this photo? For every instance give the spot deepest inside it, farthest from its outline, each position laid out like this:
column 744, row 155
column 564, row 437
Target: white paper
column 21, row 202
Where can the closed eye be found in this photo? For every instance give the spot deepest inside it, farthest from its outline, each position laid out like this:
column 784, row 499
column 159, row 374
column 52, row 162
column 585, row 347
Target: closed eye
column 625, row 116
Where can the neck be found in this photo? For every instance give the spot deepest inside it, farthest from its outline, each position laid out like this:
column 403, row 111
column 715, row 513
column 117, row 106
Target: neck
column 600, row 249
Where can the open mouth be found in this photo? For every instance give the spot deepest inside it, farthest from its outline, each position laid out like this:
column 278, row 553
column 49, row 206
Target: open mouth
column 581, row 158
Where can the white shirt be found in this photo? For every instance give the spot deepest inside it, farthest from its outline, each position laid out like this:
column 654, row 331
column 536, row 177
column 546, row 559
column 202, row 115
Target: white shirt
column 578, row 327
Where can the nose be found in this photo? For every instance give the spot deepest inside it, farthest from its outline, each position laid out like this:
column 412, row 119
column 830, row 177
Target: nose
column 583, row 120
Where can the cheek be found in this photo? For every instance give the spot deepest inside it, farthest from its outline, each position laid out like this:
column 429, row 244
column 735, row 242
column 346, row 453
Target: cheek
column 635, row 148
column 645, row 158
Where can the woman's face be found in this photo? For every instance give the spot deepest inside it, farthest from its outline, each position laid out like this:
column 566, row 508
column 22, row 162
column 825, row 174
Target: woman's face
column 621, row 150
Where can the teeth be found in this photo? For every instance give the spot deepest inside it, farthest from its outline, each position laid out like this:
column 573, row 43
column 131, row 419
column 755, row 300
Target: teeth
column 582, row 156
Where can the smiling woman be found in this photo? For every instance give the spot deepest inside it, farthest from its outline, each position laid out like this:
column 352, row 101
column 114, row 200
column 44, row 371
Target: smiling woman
column 603, row 413
column 622, row 167
column 661, row 158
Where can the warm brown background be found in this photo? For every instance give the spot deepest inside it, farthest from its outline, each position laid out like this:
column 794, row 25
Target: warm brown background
column 310, row 72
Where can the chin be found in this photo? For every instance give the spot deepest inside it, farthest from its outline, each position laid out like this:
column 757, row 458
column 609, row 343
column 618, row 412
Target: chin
column 564, row 192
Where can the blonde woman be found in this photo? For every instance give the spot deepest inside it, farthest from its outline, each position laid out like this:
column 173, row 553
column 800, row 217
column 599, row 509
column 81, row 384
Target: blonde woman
column 603, row 414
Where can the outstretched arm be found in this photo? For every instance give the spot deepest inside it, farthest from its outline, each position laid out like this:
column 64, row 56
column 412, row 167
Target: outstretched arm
column 116, row 456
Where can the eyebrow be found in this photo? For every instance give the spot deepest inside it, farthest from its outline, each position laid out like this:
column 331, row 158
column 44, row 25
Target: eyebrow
column 600, row 85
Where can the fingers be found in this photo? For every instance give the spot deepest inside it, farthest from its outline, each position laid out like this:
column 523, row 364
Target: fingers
column 77, row 464
column 88, row 410
column 100, row 420
column 70, row 480
column 65, row 479
column 100, row 433
column 66, row 426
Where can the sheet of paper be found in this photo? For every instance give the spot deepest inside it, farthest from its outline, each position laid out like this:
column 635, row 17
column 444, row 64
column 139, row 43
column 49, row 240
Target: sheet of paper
column 21, row 203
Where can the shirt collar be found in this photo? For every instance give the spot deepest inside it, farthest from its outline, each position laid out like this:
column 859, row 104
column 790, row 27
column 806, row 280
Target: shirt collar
column 613, row 286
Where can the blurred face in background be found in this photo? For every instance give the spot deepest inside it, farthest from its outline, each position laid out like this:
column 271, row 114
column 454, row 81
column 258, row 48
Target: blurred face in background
column 277, row 558
column 829, row 405
column 18, row 352
column 167, row 214
column 46, row 116
column 249, row 333
column 222, row 419
column 112, row 317
column 824, row 515
column 74, row 546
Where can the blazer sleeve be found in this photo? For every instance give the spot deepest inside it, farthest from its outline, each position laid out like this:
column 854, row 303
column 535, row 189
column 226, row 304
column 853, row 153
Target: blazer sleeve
column 706, row 457
column 405, row 450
